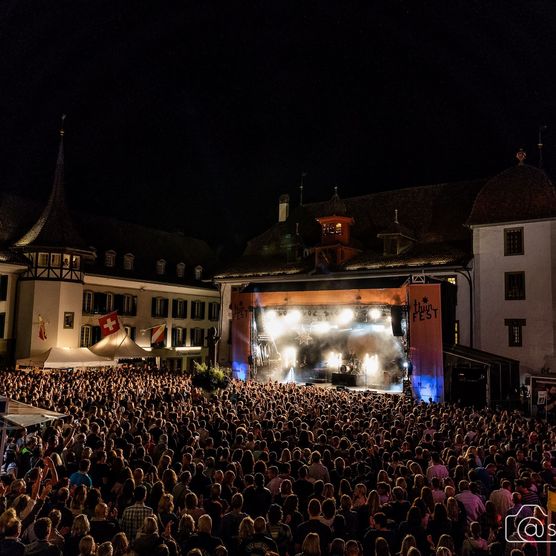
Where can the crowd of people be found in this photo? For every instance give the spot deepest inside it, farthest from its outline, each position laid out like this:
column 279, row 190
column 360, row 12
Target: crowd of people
column 145, row 464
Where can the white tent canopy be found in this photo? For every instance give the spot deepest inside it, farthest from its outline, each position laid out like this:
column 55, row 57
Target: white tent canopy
column 24, row 415
column 65, row 358
column 119, row 346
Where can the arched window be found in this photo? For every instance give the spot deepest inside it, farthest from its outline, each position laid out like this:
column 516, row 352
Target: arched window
column 180, row 270
column 160, row 267
column 198, row 272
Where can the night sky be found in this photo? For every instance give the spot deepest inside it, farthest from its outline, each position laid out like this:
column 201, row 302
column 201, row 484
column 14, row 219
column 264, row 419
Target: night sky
column 197, row 115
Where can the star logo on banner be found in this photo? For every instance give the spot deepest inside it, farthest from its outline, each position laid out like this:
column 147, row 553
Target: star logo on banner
column 425, row 299
column 304, row 338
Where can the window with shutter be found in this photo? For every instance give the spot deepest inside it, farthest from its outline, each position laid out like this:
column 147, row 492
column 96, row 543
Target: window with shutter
column 3, row 287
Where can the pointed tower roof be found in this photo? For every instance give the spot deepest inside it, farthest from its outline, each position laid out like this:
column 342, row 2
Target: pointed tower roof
column 397, row 229
column 55, row 226
column 335, row 206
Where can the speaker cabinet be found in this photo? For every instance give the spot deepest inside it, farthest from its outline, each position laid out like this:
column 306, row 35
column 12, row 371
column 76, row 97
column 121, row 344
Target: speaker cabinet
column 396, row 316
column 341, row 379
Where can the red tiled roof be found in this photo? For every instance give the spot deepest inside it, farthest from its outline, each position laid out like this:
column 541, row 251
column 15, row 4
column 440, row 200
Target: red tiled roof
column 518, row 194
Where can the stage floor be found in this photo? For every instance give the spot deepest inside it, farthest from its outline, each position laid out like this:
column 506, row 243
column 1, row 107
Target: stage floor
column 324, row 380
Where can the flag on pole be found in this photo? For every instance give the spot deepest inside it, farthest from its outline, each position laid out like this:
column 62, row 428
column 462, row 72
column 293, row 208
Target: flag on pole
column 109, row 323
column 42, row 328
column 158, row 334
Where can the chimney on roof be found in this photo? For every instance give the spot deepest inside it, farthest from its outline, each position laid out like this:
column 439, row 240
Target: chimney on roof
column 283, row 208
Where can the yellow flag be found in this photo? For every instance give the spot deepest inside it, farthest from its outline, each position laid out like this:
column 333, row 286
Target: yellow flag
column 551, row 505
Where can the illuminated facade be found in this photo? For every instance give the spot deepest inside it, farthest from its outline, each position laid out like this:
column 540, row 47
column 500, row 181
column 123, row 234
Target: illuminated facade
column 472, row 244
column 57, row 284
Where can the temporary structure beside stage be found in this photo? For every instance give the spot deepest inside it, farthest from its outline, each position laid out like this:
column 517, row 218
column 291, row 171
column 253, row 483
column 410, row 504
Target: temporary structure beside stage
column 119, row 346
column 66, row 358
column 20, row 414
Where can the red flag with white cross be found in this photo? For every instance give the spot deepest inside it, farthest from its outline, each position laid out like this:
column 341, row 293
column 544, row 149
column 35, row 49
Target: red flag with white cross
column 109, row 323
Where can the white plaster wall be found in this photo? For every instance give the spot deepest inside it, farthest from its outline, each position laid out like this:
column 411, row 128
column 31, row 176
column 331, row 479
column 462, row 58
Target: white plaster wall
column 71, row 300
column 492, row 309
column 145, row 291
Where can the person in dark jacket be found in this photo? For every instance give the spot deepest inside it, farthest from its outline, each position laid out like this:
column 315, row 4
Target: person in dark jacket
column 41, row 547
column 10, row 545
column 203, row 539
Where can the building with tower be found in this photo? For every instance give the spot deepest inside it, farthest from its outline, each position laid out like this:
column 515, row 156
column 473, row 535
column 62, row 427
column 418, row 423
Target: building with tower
column 476, row 258
column 62, row 270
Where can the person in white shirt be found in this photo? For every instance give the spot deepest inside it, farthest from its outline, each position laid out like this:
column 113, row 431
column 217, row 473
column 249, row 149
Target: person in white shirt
column 473, row 504
column 436, row 468
column 502, row 498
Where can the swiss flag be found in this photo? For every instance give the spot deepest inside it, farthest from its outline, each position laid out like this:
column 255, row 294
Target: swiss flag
column 109, row 323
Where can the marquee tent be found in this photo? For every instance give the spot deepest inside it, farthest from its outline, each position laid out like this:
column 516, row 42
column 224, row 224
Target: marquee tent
column 119, row 346
column 24, row 415
column 65, row 358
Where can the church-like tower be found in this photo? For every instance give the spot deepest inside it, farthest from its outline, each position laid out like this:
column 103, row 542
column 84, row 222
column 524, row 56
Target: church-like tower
column 51, row 289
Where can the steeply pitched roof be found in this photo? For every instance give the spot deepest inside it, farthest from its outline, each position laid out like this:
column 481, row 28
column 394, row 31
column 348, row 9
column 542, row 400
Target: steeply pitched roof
column 55, row 226
column 434, row 215
column 520, row 193
column 147, row 245
column 102, row 233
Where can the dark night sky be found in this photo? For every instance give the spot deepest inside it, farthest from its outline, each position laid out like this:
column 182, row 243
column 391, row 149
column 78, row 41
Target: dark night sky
column 198, row 115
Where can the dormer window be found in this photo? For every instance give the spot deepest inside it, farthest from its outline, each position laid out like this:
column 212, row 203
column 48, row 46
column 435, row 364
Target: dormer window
column 110, row 258
column 198, row 272
column 180, row 270
column 160, row 267
column 129, row 259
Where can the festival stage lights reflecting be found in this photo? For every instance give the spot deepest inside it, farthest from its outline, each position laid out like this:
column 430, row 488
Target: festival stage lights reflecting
column 345, row 316
column 293, row 317
column 375, row 314
column 289, row 357
column 321, row 327
column 334, row 360
column 370, row 364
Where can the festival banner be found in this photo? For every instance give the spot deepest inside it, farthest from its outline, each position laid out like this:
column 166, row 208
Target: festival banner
column 241, row 333
column 425, row 340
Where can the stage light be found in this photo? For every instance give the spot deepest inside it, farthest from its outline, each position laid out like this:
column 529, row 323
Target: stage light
column 375, row 314
column 370, row 364
column 270, row 315
column 405, row 364
column 377, row 328
column 293, row 317
column 275, row 328
column 334, row 360
column 321, row 327
column 289, row 357
column 345, row 316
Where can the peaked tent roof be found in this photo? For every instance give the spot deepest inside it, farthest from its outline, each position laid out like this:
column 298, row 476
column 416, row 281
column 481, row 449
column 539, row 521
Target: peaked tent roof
column 24, row 415
column 119, row 346
column 66, row 358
